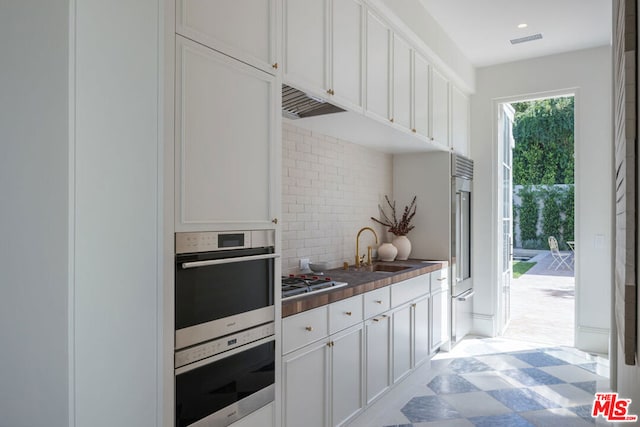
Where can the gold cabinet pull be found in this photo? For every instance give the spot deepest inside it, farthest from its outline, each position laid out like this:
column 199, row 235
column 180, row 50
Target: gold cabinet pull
column 413, row 130
column 441, row 279
column 330, row 92
column 330, row 344
column 309, row 328
column 274, row 220
column 348, row 313
column 391, row 119
column 275, row 66
column 378, row 301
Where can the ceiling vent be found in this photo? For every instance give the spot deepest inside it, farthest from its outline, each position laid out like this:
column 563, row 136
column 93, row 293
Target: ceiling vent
column 526, row 39
column 297, row 104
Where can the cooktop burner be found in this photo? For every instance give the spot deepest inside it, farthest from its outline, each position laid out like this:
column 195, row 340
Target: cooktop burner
column 295, row 286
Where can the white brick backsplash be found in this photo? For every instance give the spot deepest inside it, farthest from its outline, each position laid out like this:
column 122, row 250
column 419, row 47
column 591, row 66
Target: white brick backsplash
column 331, row 189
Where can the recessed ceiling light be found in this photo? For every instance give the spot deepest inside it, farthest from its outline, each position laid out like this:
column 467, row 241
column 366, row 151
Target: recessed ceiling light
column 522, row 26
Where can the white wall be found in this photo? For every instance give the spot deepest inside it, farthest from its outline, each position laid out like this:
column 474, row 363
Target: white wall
column 116, row 222
column 330, row 189
column 588, row 74
column 34, row 242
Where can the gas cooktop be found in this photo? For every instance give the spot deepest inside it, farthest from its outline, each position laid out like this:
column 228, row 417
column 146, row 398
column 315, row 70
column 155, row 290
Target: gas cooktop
column 297, row 286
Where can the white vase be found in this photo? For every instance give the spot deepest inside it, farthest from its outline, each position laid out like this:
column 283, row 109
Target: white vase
column 403, row 244
column 387, row 252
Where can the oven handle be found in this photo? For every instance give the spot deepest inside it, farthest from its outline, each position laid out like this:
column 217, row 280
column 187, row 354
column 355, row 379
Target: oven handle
column 195, row 264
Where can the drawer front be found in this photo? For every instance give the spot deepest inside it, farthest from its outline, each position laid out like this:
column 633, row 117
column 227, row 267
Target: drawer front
column 345, row 313
column 304, row 328
column 376, row 302
column 440, row 280
column 407, row 290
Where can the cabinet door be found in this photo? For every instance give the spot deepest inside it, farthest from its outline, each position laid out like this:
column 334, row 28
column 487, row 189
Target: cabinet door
column 401, row 76
column 378, row 57
column 377, row 337
column 243, row 29
column 459, row 121
column 420, row 331
column 439, row 319
column 305, row 382
column 439, row 108
column 305, row 44
column 420, row 95
column 401, row 338
column 347, row 55
column 347, row 358
column 225, row 140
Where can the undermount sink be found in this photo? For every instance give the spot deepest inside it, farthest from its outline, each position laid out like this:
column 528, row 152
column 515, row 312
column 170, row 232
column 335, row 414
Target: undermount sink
column 389, row 268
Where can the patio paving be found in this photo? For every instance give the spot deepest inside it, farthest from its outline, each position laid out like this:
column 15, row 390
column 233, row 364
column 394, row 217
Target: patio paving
column 542, row 304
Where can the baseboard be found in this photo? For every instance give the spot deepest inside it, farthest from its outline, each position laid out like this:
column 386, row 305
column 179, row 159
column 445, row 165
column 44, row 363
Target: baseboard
column 483, row 325
column 592, row 340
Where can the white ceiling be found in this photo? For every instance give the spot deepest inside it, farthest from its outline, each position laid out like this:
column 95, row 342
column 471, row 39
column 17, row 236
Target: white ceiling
column 482, row 28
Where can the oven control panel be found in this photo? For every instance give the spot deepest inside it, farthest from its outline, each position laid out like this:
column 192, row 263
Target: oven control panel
column 220, row 345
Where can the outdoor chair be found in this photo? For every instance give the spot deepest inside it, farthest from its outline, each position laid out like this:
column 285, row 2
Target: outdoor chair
column 559, row 259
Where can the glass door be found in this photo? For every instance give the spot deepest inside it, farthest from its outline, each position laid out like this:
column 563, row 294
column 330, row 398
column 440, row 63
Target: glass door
column 506, row 145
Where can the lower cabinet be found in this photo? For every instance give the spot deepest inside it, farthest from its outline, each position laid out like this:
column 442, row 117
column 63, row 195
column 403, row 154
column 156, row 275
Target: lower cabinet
column 439, row 319
column 263, row 417
column 378, row 346
column 402, row 341
column 421, row 331
column 323, row 382
column 305, row 386
column 347, row 370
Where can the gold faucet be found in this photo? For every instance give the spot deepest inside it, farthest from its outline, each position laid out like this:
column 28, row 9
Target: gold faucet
column 368, row 249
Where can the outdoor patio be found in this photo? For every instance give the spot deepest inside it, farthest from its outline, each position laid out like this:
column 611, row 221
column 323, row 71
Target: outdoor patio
column 542, row 304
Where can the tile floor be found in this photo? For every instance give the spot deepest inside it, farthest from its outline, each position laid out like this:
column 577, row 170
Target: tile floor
column 495, row 382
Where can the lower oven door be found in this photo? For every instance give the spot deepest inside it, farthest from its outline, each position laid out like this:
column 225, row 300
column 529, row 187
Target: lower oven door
column 220, row 390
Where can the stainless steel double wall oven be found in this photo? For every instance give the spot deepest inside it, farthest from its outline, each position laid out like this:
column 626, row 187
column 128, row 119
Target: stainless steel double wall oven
column 224, row 325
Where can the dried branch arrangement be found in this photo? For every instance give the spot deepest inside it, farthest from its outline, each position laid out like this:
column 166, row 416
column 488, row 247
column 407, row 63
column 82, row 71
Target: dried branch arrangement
column 398, row 227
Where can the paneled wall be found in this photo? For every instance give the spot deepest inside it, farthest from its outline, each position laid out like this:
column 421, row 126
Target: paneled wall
column 330, row 189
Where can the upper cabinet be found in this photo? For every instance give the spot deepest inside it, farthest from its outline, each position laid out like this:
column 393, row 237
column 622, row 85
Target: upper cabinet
column 323, row 42
column 346, row 54
column 226, row 141
column 378, row 68
column 439, row 108
column 459, row 121
column 420, row 96
column 305, row 41
column 402, row 83
column 243, row 29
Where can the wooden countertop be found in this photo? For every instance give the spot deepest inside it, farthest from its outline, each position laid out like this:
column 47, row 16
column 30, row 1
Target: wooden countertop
column 360, row 281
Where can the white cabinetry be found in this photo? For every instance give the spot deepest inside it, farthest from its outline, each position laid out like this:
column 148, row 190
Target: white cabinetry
column 439, row 108
column 323, row 54
column 305, row 386
column 347, row 34
column 459, row 121
column 377, row 68
column 263, row 417
column 421, row 330
column 439, row 319
column 305, row 44
column 378, row 367
column 402, row 85
column 243, row 29
column 347, row 370
column 402, row 341
column 420, row 96
column 225, row 109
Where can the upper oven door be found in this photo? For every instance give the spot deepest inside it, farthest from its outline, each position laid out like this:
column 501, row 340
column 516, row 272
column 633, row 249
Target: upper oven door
column 221, row 292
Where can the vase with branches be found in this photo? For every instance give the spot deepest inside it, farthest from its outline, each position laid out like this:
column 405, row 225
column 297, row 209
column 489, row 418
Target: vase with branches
column 398, row 226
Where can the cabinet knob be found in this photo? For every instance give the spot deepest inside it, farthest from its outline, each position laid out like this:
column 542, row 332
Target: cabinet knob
column 378, row 301
column 413, row 130
column 375, row 319
column 330, row 344
column 274, row 220
column 391, row 119
column 413, row 305
column 309, row 328
column 330, row 92
column 275, row 66
column 348, row 313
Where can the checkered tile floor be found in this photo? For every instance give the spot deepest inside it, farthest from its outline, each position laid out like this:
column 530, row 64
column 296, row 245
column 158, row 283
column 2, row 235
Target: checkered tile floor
column 495, row 382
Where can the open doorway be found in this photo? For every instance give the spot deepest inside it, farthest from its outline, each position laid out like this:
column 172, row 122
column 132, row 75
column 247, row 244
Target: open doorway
column 537, row 297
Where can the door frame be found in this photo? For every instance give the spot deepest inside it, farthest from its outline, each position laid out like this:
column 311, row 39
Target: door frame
column 496, row 222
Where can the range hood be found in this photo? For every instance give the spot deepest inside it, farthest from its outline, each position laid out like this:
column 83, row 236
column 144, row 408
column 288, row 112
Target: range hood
column 297, row 104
